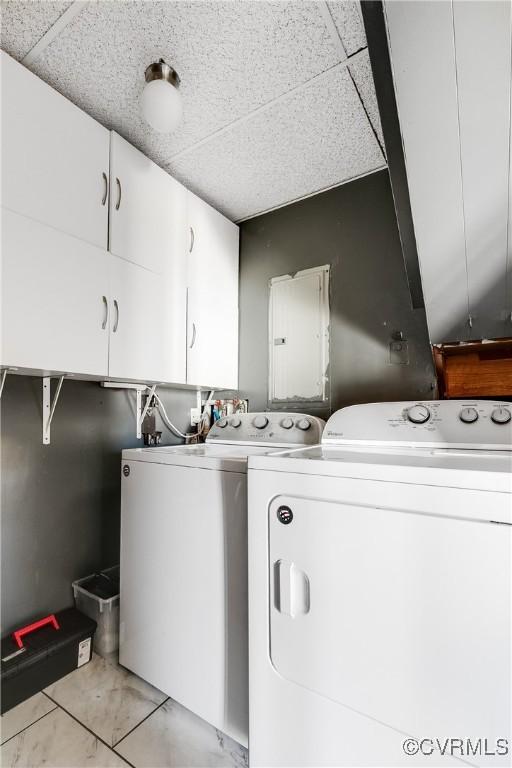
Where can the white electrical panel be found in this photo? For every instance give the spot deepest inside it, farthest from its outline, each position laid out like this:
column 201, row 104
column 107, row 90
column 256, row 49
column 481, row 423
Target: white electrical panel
column 299, row 336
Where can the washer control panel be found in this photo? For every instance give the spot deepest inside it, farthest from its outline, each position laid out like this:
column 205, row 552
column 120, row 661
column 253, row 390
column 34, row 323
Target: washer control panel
column 439, row 423
column 268, row 428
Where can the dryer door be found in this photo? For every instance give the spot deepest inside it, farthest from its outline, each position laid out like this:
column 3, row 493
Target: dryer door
column 401, row 616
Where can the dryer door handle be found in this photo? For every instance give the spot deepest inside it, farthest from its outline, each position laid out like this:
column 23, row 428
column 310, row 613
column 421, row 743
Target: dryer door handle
column 291, row 589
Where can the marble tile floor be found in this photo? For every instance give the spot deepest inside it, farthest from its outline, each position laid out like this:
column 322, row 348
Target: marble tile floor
column 103, row 716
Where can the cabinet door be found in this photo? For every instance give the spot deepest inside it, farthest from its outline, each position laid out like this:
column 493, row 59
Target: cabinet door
column 141, row 204
column 148, row 227
column 483, row 44
column 423, row 60
column 173, row 328
column 54, row 299
column 55, row 157
column 137, row 345
column 451, row 69
column 212, row 358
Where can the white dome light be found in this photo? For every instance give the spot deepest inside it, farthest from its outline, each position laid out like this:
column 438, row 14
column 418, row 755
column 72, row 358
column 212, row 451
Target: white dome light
column 161, row 100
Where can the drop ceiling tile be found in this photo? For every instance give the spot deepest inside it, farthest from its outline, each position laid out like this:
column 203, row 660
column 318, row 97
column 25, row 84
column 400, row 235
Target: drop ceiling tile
column 232, row 57
column 349, row 22
column 24, row 23
column 315, row 138
column 361, row 71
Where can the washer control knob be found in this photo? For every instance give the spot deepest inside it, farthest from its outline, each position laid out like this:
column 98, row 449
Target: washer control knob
column 501, row 416
column 236, row 422
column 304, row 424
column 260, row 422
column 418, row 414
column 222, row 423
column 287, row 423
column 468, row 415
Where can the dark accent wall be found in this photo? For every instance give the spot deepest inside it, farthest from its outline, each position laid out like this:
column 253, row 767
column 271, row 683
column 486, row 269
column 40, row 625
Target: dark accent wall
column 376, row 34
column 60, row 503
column 353, row 228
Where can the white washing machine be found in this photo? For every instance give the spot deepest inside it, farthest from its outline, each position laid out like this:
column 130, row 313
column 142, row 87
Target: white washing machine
column 380, row 590
column 183, row 613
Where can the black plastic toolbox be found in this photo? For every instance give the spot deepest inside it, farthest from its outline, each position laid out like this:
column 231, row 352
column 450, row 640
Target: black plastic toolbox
column 41, row 653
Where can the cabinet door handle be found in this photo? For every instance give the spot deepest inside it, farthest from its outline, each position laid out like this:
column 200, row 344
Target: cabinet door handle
column 192, row 238
column 193, row 336
column 116, row 321
column 118, row 193
column 105, row 188
column 105, row 316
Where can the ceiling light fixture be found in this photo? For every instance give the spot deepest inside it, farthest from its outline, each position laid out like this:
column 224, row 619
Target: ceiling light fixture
column 161, row 100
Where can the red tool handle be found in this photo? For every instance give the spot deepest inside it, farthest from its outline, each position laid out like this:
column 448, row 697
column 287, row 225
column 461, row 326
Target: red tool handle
column 32, row 627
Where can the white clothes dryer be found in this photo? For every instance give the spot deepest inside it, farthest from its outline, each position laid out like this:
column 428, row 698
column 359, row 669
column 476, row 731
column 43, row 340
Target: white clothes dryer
column 380, row 590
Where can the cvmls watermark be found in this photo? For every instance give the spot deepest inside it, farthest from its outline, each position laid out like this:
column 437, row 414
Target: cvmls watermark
column 481, row 747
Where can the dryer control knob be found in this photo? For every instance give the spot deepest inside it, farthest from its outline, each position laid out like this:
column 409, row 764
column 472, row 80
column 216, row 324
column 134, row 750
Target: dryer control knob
column 236, row 422
column 418, row 414
column 304, row 424
column 221, row 423
column 468, row 415
column 287, row 423
column 260, row 422
column 501, row 416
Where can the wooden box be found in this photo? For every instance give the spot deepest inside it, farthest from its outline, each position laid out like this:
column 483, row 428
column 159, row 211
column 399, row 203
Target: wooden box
column 474, row 369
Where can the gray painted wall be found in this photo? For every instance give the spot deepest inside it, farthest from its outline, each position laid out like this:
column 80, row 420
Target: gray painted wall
column 353, row 228
column 60, row 502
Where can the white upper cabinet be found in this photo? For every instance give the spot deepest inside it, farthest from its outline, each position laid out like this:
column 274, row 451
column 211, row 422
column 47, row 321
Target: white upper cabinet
column 142, row 197
column 212, row 358
column 452, row 74
column 55, row 158
column 148, row 227
column 70, row 191
column 423, row 60
column 483, row 55
column 55, row 300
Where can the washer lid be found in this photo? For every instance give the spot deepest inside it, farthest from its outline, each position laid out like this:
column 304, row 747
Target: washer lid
column 457, row 468
column 230, row 458
column 231, row 440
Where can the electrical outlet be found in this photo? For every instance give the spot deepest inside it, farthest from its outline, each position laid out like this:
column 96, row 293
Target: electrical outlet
column 195, row 416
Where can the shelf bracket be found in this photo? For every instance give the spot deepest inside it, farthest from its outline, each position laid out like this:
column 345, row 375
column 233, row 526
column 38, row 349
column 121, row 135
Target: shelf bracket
column 2, row 381
column 140, row 389
column 49, row 406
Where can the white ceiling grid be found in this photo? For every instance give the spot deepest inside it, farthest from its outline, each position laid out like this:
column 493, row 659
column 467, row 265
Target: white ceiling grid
column 270, row 111
column 24, row 23
column 270, row 158
column 349, row 22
